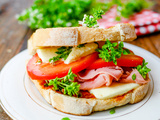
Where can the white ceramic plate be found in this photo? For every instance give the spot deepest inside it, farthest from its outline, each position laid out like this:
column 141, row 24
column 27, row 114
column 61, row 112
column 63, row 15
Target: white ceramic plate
column 22, row 101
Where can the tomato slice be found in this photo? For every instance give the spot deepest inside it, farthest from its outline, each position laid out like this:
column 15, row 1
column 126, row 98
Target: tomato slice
column 47, row 71
column 124, row 61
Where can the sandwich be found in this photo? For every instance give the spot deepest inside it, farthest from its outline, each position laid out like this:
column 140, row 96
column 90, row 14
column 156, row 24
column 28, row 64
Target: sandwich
column 80, row 70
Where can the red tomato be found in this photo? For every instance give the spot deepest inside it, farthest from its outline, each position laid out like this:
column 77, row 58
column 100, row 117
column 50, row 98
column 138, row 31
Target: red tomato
column 124, row 61
column 47, row 71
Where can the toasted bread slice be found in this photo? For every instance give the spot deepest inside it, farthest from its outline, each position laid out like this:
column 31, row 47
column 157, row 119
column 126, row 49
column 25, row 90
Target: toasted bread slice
column 73, row 36
column 84, row 106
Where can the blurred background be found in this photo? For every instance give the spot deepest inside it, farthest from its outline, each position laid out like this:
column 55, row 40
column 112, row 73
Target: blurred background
column 20, row 18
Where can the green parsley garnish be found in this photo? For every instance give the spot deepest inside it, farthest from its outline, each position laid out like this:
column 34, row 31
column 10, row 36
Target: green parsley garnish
column 143, row 69
column 118, row 18
column 39, row 62
column 134, row 76
column 66, row 84
column 91, row 21
column 57, row 13
column 62, row 52
column 81, row 45
column 66, row 13
column 46, row 84
column 65, row 118
column 111, row 51
column 112, row 111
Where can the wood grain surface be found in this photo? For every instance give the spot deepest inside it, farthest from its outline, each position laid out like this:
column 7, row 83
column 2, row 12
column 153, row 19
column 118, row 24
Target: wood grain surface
column 13, row 36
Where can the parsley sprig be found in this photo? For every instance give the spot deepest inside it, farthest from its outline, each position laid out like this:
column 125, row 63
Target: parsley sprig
column 143, row 69
column 65, row 84
column 91, row 21
column 112, row 111
column 65, row 118
column 62, row 52
column 111, row 51
column 134, row 76
column 81, row 45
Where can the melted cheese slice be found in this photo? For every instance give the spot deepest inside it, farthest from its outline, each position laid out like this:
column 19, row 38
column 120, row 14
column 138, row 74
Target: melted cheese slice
column 114, row 90
column 46, row 53
column 77, row 53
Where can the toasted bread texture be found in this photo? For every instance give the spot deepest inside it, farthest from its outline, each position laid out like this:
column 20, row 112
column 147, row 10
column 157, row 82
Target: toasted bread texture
column 73, row 36
column 83, row 106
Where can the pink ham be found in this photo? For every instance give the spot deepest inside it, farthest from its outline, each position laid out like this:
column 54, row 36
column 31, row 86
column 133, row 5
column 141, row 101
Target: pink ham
column 96, row 78
column 99, row 81
column 114, row 71
column 139, row 79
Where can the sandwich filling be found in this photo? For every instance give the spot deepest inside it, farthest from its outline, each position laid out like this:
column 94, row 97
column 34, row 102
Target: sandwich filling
column 89, row 70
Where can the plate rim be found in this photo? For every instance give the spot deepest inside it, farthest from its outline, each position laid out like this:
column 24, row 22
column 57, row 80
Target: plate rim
column 22, row 52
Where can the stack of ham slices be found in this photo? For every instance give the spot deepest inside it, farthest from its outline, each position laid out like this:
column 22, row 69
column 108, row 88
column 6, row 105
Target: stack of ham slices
column 90, row 79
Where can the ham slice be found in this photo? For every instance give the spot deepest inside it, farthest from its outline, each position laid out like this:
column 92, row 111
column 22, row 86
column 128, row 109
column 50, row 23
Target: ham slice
column 114, row 71
column 96, row 78
column 99, row 81
column 139, row 79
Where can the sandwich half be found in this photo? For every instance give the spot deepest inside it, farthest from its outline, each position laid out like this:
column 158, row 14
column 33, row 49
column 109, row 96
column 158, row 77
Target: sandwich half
column 80, row 70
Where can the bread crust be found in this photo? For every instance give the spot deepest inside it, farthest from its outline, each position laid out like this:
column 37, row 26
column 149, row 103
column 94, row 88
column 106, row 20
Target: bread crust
column 73, row 36
column 83, row 106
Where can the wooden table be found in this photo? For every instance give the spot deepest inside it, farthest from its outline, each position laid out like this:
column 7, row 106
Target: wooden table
column 13, row 36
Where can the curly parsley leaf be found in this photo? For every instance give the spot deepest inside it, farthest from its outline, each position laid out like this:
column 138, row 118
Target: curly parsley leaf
column 65, row 84
column 65, row 118
column 97, row 14
column 143, row 69
column 112, row 111
column 118, row 18
column 62, row 52
column 134, row 76
column 81, row 45
column 70, row 76
column 111, row 51
column 91, row 21
column 39, row 62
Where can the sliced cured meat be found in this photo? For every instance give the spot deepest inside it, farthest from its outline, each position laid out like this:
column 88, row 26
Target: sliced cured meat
column 99, row 81
column 139, row 79
column 114, row 71
column 96, row 78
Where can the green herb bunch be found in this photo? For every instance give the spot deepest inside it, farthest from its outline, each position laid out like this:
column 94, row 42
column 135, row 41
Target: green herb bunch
column 91, row 21
column 65, row 84
column 111, row 51
column 62, row 52
column 133, row 6
column 130, row 7
column 143, row 69
column 56, row 13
